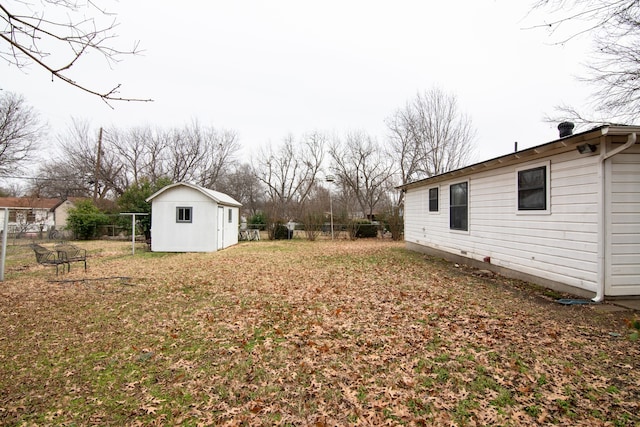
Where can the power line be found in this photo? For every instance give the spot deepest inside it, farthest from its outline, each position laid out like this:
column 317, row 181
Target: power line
column 63, row 178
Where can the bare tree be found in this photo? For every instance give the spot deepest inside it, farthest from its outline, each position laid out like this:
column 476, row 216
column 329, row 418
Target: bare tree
column 155, row 166
column 289, row 173
column 430, row 136
column 59, row 179
column 12, row 189
column 20, row 130
column 80, row 168
column 105, row 166
column 132, row 147
column 56, row 35
column 146, row 153
column 221, row 148
column 80, row 172
column 614, row 26
column 200, row 154
column 403, row 147
column 243, row 185
column 185, row 153
column 313, row 210
column 360, row 166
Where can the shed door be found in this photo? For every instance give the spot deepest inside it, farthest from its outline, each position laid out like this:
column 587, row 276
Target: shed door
column 220, row 227
column 623, row 225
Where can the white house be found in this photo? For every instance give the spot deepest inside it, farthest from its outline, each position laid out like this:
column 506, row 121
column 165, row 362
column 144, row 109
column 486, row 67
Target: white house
column 189, row 218
column 565, row 214
column 35, row 215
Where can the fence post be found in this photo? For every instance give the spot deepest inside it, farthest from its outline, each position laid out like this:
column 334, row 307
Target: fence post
column 4, row 243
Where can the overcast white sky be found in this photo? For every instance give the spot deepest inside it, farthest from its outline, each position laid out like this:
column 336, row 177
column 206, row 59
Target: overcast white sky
column 269, row 68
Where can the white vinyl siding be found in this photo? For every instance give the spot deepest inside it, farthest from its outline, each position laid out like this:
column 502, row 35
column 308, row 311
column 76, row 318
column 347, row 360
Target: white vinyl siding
column 623, row 224
column 559, row 245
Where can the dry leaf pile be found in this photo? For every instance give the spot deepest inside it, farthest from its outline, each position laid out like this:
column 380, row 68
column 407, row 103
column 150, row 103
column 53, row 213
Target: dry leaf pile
column 302, row 333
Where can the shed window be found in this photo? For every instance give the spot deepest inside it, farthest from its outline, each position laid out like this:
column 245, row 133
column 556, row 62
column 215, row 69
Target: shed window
column 230, row 216
column 532, row 189
column 458, row 206
column 183, row 214
column 433, row 199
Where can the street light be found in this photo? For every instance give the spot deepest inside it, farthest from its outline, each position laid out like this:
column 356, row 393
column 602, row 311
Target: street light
column 330, row 179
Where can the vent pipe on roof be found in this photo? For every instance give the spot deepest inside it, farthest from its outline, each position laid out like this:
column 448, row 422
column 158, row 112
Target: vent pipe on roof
column 565, row 129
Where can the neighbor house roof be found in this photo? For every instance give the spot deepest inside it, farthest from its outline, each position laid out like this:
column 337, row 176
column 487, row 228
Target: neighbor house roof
column 561, row 145
column 29, row 203
column 216, row 196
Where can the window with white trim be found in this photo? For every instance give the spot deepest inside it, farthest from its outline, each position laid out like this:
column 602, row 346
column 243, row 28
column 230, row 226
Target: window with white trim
column 230, row 216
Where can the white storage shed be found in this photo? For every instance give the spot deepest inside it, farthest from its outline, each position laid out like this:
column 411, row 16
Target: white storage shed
column 189, row 218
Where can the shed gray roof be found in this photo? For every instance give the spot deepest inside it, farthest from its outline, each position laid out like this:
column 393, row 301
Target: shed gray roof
column 216, row 196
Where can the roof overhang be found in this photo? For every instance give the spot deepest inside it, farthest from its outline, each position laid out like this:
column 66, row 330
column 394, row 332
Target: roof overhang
column 562, row 145
column 216, row 196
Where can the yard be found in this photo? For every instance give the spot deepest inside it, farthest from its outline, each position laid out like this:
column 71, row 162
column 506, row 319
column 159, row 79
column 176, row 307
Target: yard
column 298, row 333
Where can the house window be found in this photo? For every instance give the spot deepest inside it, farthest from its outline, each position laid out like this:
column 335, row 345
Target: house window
column 230, row 216
column 532, row 189
column 458, row 206
column 183, row 214
column 433, row 199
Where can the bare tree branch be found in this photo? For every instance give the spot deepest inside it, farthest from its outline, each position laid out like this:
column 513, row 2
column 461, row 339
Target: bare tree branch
column 290, row 171
column 362, row 168
column 57, row 44
column 614, row 26
column 20, row 131
column 430, row 135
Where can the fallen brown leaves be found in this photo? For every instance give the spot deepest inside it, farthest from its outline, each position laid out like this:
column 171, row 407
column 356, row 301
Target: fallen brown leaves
column 302, row 333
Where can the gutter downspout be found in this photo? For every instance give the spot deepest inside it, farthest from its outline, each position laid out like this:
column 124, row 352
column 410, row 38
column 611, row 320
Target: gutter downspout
column 602, row 229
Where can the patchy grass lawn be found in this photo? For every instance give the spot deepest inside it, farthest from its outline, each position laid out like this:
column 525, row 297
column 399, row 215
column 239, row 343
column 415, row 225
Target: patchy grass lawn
column 297, row 333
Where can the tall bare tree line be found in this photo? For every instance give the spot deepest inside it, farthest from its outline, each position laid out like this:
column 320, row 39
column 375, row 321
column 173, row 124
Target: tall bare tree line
column 194, row 153
column 430, row 135
column 289, row 172
column 287, row 179
column 364, row 169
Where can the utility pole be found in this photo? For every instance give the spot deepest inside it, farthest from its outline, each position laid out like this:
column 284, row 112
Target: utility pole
column 96, row 173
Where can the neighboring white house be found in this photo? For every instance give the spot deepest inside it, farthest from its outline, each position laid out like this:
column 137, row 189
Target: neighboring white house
column 35, row 215
column 189, row 218
column 565, row 214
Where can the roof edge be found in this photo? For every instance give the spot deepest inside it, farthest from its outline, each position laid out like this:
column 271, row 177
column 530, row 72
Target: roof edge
column 202, row 190
column 495, row 162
